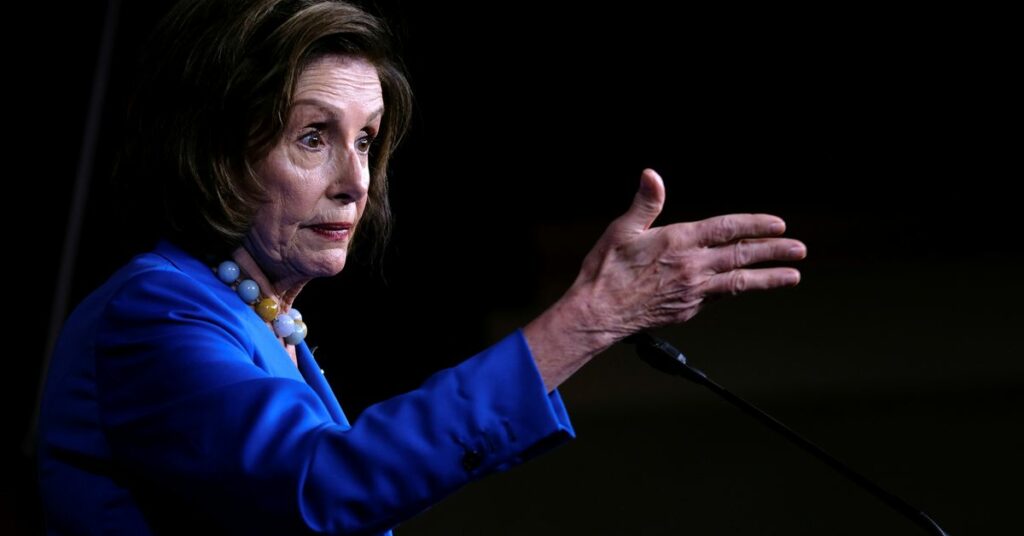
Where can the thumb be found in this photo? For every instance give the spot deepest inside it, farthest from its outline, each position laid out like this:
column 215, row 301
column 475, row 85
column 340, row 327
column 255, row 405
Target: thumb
column 647, row 204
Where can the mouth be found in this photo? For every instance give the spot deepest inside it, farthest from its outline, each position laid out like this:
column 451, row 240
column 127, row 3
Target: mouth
column 334, row 231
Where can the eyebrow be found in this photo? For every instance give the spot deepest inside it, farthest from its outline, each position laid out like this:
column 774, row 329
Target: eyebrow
column 325, row 108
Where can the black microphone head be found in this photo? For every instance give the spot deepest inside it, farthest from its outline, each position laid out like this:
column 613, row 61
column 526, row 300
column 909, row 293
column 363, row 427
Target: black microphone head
column 657, row 353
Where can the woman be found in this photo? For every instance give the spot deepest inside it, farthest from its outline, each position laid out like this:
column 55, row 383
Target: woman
column 181, row 396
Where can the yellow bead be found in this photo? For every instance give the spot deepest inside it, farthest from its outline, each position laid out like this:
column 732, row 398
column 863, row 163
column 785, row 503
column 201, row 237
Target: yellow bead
column 267, row 309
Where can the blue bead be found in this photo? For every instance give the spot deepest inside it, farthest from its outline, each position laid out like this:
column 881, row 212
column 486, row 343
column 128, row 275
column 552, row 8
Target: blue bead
column 228, row 272
column 284, row 325
column 249, row 291
column 297, row 335
column 295, row 314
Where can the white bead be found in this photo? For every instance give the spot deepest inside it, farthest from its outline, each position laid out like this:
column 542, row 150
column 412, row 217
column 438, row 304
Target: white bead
column 297, row 335
column 284, row 325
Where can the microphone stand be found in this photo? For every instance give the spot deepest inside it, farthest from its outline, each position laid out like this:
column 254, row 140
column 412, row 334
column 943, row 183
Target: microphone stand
column 662, row 356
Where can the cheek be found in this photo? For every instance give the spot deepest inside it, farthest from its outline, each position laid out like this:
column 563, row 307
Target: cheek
column 294, row 196
column 278, row 210
column 267, row 222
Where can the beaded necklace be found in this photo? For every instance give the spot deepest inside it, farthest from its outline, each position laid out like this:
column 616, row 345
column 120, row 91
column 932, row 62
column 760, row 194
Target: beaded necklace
column 286, row 324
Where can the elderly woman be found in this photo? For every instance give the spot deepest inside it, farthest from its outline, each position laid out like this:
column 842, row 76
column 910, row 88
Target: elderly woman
column 181, row 396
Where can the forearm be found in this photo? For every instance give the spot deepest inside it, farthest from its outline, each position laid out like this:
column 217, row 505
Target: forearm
column 264, row 456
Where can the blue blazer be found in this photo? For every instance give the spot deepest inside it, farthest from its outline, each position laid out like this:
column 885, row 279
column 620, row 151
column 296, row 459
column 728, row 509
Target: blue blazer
column 170, row 406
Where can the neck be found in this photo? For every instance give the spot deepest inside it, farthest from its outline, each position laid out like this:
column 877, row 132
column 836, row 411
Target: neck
column 283, row 290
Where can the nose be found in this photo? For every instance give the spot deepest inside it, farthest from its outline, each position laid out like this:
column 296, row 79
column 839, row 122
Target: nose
column 351, row 180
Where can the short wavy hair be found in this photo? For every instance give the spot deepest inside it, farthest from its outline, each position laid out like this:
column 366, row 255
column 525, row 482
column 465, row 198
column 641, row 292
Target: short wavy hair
column 219, row 76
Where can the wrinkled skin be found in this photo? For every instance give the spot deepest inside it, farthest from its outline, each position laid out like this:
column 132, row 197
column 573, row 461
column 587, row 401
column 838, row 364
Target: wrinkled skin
column 637, row 277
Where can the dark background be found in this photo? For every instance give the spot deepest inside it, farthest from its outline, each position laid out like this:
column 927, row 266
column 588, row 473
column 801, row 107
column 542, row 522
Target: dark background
column 885, row 138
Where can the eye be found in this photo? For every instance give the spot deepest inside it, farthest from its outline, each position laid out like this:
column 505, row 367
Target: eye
column 363, row 144
column 312, row 140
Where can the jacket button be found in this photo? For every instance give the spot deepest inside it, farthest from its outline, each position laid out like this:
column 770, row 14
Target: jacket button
column 471, row 460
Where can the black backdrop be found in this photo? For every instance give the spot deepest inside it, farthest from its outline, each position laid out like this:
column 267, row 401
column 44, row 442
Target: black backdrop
column 885, row 138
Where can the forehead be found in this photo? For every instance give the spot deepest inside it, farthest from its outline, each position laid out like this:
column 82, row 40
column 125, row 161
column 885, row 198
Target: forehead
column 342, row 82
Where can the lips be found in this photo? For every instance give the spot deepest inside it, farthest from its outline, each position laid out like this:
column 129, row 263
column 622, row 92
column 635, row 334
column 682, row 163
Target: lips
column 331, row 226
column 331, row 230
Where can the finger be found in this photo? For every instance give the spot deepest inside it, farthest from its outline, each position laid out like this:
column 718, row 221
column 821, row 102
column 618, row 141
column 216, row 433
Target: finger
column 647, row 204
column 725, row 229
column 747, row 251
column 738, row 281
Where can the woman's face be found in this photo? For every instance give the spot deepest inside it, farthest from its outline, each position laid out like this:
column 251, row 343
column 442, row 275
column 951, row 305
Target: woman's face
column 317, row 174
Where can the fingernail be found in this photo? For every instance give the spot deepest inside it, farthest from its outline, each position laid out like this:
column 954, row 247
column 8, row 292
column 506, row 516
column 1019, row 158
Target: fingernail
column 797, row 251
column 778, row 227
column 791, row 279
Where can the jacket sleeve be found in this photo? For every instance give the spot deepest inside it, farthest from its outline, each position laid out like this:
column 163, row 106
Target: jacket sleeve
column 188, row 413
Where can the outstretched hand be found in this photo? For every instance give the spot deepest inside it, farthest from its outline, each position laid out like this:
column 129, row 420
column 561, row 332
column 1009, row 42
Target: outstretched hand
column 637, row 277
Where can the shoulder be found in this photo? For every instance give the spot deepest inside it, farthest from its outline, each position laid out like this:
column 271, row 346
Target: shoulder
column 168, row 289
column 158, row 287
column 165, row 279
column 172, row 319
column 163, row 294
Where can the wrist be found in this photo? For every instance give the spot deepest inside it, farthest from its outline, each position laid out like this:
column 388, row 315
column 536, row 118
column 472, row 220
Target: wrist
column 570, row 329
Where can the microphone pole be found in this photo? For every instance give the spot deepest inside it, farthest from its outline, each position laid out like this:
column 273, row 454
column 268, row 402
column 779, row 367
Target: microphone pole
column 664, row 357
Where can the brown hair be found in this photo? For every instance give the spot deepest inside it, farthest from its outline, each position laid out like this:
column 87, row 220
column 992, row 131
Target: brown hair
column 215, row 99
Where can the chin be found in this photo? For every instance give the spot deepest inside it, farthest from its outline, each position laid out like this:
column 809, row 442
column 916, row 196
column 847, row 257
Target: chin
column 328, row 263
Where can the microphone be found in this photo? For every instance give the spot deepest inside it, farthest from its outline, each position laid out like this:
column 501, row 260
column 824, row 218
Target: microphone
column 666, row 358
